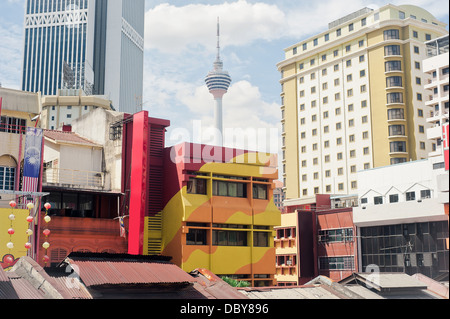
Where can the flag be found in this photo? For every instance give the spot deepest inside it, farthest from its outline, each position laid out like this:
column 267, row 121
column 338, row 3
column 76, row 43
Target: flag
column 32, row 159
column 122, row 227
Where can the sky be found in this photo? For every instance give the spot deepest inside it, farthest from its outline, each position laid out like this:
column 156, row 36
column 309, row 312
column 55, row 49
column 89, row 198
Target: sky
column 180, row 48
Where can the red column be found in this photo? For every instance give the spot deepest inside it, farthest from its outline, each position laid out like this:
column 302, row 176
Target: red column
column 138, row 183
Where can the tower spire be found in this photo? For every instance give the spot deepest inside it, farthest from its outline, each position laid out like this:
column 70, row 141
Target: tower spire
column 218, row 81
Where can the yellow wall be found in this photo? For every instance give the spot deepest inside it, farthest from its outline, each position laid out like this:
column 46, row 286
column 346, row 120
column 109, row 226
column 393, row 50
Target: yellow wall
column 20, row 238
column 291, row 132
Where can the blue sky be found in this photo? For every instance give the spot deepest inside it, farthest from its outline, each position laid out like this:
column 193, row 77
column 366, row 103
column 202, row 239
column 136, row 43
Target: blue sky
column 180, row 42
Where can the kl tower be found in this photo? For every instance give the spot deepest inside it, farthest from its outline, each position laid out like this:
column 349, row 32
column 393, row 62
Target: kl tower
column 218, row 81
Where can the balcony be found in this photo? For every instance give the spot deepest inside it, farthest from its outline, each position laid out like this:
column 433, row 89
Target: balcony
column 69, row 178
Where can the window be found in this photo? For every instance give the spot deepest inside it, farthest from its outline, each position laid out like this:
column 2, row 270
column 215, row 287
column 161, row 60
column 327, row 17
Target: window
column 350, row 107
column 394, row 81
column 393, row 198
column 350, row 92
column 396, row 130
column 327, row 37
column 341, row 186
column 229, row 238
column 422, row 145
column 315, row 42
column 349, row 78
column 416, row 49
column 260, row 239
column 361, row 43
column 366, row 151
column 365, row 135
column 391, row 50
column 425, row 193
column 398, row 160
column 338, row 32
column 336, row 235
column 229, row 189
column 305, row 46
column 326, row 129
column 196, row 237
column 196, row 186
column 427, row 37
column 7, row 178
column 417, row 65
column 363, row 21
column 392, row 34
column 393, row 66
column 348, row 48
column 301, row 66
column 410, row 196
column 363, row 103
column 337, row 96
column 312, row 61
column 396, row 97
column 336, row 82
column 378, row 200
column 421, row 129
column 418, row 80
column 348, row 63
column 12, row 125
column 401, row 15
column 350, row 27
column 324, row 57
column 398, row 146
column 294, row 50
column 362, row 73
column 415, row 34
column 419, row 97
column 363, row 88
column 339, row 156
column 259, row 191
column 351, row 122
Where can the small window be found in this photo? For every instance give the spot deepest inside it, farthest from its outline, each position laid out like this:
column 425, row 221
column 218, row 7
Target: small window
column 350, row 27
column 196, row 186
column 393, row 198
column 378, row 200
column 327, row 37
column 338, row 32
column 425, row 193
column 410, row 196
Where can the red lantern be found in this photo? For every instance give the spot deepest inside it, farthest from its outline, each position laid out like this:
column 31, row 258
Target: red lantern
column 11, row 231
column 13, row 204
column 46, row 232
column 28, row 245
column 47, row 206
column 30, row 219
column 46, row 259
column 9, row 260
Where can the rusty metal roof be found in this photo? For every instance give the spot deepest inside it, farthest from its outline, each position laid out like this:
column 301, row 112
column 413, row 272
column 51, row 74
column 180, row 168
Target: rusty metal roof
column 13, row 286
column 110, row 269
column 213, row 287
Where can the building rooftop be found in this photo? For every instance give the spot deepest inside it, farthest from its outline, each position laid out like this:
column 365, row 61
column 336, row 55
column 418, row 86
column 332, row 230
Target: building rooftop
column 68, row 137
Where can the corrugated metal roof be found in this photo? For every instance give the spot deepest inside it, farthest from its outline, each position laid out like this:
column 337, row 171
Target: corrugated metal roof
column 23, row 288
column 72, row 287
column 213, row 287
column 98, row 273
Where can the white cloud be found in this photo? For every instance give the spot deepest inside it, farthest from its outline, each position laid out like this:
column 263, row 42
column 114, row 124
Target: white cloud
column 11, row 55
column 173, row 29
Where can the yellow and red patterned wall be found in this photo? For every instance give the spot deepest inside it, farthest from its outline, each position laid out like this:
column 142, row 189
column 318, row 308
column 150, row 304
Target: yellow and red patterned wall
column 218, row 212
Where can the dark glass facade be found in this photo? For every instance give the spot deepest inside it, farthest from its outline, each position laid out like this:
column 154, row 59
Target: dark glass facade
column 410, row 248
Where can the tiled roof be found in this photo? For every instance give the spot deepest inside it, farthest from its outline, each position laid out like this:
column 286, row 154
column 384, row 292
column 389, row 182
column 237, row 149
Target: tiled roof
column 68, row 137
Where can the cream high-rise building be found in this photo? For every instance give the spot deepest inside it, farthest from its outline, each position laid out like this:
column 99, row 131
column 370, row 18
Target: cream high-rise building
column 353, row 98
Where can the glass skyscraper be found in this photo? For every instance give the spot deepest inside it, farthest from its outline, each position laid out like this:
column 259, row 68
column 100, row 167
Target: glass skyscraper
column 93, row 45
